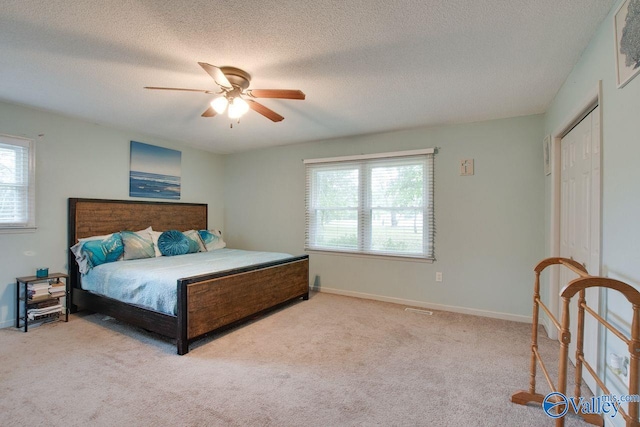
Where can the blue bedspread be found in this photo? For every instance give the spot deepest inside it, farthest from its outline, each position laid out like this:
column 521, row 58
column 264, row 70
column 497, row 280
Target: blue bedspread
column 152, row 282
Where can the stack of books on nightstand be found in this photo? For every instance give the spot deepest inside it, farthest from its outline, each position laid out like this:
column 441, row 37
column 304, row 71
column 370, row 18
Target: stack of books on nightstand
column 57, row 289
column 44, row 301
column 37, row 291
column 50, row 308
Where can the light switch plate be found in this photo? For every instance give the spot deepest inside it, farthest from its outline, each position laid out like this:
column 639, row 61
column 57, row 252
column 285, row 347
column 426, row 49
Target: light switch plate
column 466, row 167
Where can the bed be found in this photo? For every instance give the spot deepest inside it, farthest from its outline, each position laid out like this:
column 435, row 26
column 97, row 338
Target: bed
column 207, row 302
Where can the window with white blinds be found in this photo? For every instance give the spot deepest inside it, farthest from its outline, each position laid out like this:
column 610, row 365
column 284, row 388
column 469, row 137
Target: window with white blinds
column 17, row 183
column 380, row 204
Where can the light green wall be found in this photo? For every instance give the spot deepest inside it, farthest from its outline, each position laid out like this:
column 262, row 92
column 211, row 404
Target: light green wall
column 489, row 227
column 620, row 150
column 80, row 159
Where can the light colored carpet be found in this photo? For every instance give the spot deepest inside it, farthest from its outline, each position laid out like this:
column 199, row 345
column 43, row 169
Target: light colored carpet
column 329, row 361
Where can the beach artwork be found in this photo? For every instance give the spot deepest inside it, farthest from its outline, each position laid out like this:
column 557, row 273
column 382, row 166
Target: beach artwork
column 154, row 172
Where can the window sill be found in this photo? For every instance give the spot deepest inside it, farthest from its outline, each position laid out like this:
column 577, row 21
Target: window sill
column 361, row 255
column 18, row 230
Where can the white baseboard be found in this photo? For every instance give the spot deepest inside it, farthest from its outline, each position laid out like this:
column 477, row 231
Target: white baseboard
column 549, row 328
column 421, row 304
column 412, row 303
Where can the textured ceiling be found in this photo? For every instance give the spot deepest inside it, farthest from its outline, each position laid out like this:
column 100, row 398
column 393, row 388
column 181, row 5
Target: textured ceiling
column 365, row 65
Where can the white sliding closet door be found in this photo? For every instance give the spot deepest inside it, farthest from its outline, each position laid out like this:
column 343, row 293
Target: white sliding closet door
column 580, row 224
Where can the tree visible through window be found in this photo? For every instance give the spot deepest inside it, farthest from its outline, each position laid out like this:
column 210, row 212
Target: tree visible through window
column 380, row 205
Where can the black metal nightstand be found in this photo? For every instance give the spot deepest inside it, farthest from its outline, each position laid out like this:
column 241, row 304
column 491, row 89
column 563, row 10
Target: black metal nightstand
column 44, row 301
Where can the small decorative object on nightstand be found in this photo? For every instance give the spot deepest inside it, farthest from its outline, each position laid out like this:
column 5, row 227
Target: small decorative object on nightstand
column 41, row 299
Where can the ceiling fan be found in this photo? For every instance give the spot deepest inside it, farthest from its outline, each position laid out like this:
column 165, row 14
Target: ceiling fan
column 236, row 95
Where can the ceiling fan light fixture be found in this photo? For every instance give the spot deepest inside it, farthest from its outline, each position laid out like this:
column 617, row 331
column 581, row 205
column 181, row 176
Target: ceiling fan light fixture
column 241, row 104
column 220, row 104
column 237, row 107
column 234, row 84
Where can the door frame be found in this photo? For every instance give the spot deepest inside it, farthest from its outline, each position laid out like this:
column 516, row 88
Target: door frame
column 592, row 100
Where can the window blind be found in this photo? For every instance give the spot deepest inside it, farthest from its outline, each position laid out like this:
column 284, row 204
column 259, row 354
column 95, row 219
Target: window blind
column 17, row 183
column 377, row 205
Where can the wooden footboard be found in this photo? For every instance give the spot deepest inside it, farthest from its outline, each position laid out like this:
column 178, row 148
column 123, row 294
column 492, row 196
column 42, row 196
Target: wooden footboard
column 223, row 299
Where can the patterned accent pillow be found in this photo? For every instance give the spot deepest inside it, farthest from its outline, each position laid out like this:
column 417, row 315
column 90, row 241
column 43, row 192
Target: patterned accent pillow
column 195, row 243
column 173, row 243
column 212, row 239
column 102, row 251
column 137, row 244
column 154, row 237
column 81, row 257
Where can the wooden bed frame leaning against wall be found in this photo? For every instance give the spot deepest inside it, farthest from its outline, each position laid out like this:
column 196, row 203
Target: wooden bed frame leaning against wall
column 206, row 303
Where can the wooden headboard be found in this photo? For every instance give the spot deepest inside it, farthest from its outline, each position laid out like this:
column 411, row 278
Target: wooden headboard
column 94, row 217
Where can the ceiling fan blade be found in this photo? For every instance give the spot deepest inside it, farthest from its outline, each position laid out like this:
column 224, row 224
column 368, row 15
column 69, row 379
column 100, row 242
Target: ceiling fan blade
column 261, row 109
column 276, row 93
column 210, row 112
column 217, row 74
column 178, row 88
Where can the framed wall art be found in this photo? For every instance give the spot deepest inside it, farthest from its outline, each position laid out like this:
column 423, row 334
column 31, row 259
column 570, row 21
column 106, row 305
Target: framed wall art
column 154, row 172
column 626, row 26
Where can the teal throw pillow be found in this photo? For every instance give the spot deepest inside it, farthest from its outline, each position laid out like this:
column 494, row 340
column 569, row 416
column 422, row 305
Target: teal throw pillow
column 103, row 251
column 172, row 243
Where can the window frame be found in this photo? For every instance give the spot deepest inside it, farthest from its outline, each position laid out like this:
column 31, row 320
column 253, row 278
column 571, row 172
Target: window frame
column 29, row 198
column 366, row 163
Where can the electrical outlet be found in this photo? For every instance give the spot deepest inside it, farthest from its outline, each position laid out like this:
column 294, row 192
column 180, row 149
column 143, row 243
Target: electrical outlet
column 438, row 276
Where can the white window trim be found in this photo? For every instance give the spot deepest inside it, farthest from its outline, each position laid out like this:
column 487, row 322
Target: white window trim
column 31, row 192
column 371, row 156
column 363, row 254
